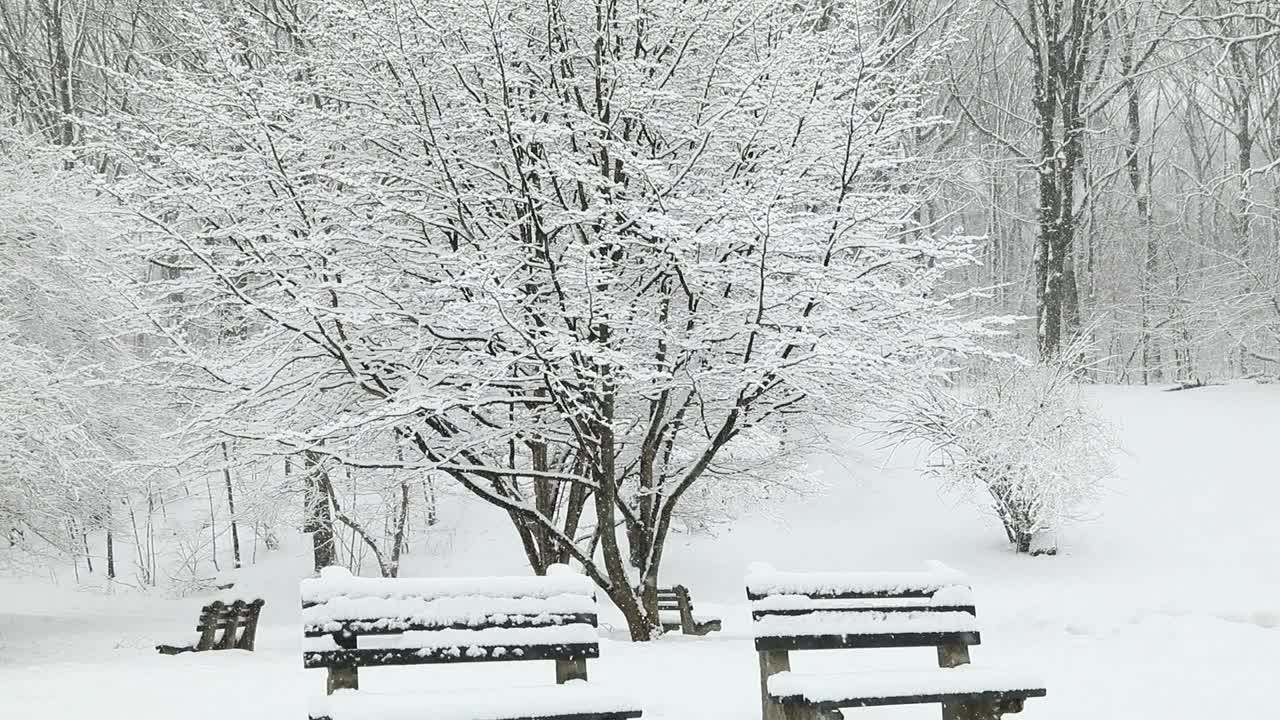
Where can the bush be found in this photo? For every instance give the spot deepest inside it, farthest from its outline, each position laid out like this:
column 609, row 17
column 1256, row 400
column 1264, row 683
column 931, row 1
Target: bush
column 1025, row 437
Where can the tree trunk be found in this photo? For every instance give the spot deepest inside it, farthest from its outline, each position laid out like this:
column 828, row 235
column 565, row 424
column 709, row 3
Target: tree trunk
column 111, row 555
column 398, row 539
column 231, row 507
column 318, row 515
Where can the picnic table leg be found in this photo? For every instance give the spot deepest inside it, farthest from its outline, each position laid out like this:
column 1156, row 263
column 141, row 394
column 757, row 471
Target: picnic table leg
column 343, row 677
column 772, row 662
column 567, row 670
column 950, row 656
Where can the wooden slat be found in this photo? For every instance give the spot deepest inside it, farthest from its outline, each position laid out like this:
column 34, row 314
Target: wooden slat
column 989, row 696
column 872, row 595
column 378, row 657
column 509, row 622
column 866, row 641
column 619, row 715
column 759, row 614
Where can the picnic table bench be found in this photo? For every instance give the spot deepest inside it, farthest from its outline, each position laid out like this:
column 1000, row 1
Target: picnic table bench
column 675, row 612
column 238, row 622
column 829, row 611
column 350, row 623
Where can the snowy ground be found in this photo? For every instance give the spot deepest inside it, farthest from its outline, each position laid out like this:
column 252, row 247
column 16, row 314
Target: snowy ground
column 1167, row 605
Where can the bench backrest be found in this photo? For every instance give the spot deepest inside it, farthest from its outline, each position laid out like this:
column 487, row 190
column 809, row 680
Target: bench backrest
column 823, row 611
column 674, row 598
column 350, row 622
column 237, row 620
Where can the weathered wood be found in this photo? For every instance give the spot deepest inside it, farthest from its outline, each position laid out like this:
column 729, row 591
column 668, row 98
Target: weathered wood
column 952, row 651
column 953, row 655
column 677, row 599
column 685, row 605
column 567, row 670
column 949, row 656
column 249, row 632
column 232, row 626
column 1000, row 701
column 863, row 641
column 394, row 626
column 839, row 595
column 792, row 612
column 619, row 715
column 772, row 662
column 223, row 627
column 343, row 662
column 381, row 657
column 209, row 622
column 342, row 675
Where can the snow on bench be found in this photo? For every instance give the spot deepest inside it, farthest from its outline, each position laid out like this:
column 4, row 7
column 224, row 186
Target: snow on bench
column 763, row 581
column 846, row 628
column 901, row 687
column 825, row 611
column 350, row 623
column 398, row 614
column 335, row 582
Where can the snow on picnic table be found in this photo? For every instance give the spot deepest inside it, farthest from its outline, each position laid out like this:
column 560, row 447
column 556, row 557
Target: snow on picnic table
column 864, row 623
column 335, row 582
column 835, row 687
column 763, row 579
column 391, row 613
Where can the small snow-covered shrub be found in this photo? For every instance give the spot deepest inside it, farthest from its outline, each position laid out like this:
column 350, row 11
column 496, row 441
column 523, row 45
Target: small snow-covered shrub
column 1026, row 439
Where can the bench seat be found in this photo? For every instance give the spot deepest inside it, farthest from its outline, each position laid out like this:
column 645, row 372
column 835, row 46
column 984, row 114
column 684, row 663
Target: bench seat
column 901, row 687
column 574, row 700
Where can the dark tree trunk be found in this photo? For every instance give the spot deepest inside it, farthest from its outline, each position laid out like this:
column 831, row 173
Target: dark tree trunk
column 231, row 507
column 111, row 555
column 319, row 516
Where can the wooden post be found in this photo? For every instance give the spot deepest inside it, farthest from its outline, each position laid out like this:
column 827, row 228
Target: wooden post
column 343, row 677
column 575, row 669
column 209, row 624
column 772, row 662
column 950, row 656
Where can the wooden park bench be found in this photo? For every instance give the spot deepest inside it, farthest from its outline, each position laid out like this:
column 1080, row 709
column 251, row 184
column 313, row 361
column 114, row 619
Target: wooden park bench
column 350, row 623
column 830, row 611
column 238, row 623
column 675, row 612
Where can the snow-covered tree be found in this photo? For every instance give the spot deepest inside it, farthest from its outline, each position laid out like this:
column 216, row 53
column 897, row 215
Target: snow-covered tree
column 581, row 258
column 1025, row 440
column 71, row 425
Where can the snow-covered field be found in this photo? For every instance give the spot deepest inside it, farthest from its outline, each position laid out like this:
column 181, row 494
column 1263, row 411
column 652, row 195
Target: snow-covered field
column 1166, row 606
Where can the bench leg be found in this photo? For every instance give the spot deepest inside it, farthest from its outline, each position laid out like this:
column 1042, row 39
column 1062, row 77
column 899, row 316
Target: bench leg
column 567, row 670
column 343, row 677
column 803, row 712
column 772, row 662
column 950, row 656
